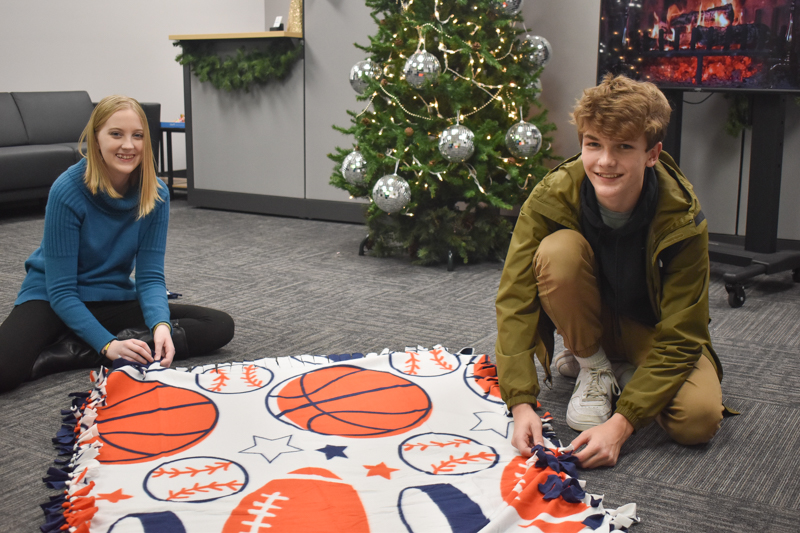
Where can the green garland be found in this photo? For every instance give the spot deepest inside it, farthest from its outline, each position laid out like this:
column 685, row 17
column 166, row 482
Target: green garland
column 240, row 71
column 739, row 116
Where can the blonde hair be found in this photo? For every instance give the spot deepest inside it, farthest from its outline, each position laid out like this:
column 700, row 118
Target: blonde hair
column 96, row 177
column 622, row 109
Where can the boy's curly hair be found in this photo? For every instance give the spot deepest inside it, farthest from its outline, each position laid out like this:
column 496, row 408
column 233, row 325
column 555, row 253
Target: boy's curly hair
column 623, row 109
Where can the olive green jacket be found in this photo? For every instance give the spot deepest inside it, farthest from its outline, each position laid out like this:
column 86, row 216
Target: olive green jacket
column 677, row 273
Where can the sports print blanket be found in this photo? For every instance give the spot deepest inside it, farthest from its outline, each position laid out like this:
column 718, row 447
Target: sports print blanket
column 409, row 441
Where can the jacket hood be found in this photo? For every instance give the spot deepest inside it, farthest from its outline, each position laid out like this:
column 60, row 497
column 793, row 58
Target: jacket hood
column 557, row 196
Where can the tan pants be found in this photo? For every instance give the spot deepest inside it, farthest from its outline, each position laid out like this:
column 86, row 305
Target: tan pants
column 568, row 291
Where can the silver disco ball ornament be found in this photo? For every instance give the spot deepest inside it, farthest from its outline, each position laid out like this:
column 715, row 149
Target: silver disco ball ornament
column 536, row 86
column 361, row 73
column 457, row 143
column 536, row 49
column 508, row 8
column 523, row 139
column 422, row 69
column 391, row 193
column 354, row 168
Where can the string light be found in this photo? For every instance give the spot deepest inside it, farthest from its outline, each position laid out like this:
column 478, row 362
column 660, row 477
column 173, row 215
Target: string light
column 436, row 12
column 371, row 98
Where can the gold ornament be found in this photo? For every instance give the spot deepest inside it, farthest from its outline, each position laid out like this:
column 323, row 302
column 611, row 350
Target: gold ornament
column 295, row 23
column 409, row 131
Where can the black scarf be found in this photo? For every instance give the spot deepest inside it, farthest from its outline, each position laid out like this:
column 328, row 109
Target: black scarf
column 621, row 254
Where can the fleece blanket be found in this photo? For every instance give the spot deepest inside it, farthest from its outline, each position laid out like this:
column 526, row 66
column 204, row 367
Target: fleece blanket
column 406, row 441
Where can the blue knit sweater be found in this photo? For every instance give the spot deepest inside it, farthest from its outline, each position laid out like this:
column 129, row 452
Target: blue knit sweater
column 90, row 246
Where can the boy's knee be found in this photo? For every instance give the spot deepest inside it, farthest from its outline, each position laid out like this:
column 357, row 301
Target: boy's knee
column 697, row 426
column 563, row 253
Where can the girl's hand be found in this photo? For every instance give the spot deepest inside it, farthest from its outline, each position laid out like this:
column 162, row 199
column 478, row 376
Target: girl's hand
column 165, row 350
column 131, row 349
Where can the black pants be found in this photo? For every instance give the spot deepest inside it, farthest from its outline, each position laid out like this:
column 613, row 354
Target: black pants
column 33, row 325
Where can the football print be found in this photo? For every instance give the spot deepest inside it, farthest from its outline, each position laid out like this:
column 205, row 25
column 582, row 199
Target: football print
column 313, row 499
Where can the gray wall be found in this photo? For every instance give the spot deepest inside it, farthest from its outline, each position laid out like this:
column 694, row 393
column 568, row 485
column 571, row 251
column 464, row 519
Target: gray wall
column 109, row 47
column 249, row 142
column 331, row 28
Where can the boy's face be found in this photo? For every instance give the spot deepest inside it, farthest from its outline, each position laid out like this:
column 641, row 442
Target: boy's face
column 616, row 168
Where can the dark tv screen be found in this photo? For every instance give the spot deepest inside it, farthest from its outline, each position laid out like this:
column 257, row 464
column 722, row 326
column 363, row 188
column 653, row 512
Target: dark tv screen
column 750, row 45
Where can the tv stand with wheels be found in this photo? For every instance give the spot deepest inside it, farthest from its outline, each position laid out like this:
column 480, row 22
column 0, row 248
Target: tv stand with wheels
column 760, row 254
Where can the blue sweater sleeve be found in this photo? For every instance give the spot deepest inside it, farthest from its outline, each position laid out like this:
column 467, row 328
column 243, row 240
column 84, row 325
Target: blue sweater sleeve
column 62, row 222
column 151, row 287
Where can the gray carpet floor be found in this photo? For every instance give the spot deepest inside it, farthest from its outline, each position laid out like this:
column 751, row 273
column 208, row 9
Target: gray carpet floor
column 298, row 286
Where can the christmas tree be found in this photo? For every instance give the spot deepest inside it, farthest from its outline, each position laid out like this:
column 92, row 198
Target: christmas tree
column 451, row 132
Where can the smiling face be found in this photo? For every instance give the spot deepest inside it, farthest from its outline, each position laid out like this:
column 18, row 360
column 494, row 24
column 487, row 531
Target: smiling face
column 616, row 168
column 121, row 142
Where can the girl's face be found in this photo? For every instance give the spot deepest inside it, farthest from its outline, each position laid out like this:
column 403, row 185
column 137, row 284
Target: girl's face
column 121, row 141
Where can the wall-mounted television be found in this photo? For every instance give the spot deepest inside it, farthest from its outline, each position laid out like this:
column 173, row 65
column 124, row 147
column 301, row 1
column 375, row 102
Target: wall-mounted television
column 751, row 45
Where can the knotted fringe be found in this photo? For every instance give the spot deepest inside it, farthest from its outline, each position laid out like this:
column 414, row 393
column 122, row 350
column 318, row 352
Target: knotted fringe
column 73, row 509
column 562, row 483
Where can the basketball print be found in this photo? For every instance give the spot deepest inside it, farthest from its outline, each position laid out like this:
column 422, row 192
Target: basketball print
column 445, row 454
column 147, row 420
column 480, row 376
column 349, row 401
column 424, row 363
column 234, row 378
column 312, row 499
column 195, row 479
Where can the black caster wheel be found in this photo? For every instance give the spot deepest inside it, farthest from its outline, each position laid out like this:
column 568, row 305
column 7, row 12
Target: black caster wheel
column 362, row 245
column 796, row 275
column 736, row 295
column 450, row 266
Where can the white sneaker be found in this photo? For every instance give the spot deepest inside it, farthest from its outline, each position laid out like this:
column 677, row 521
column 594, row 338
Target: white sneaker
column 590, row 404
column 623, row 371
column 566, row 364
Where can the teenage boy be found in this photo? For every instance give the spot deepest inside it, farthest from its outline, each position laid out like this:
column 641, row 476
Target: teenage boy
column 611, row 249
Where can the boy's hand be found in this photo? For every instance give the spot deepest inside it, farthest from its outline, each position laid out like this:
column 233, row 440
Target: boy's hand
column 603, row 442
column 164, row 349
column 527, row 428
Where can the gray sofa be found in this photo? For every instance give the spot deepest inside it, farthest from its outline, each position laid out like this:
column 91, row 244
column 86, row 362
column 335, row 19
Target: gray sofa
column 39, row 134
